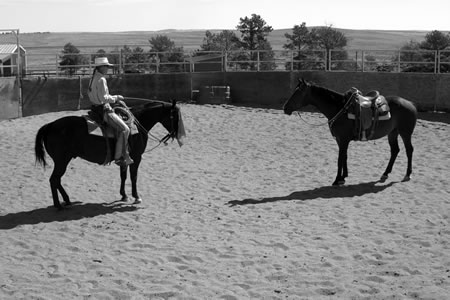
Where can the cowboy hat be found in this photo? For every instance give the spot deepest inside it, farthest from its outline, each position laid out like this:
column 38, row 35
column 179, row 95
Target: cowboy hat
column 102, row 61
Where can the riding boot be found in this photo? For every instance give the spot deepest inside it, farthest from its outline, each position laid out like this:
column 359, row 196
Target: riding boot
column 119, row 147
column 124, row 156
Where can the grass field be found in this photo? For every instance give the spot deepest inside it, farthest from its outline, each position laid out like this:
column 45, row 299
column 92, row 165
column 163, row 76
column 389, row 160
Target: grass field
column 192, row 39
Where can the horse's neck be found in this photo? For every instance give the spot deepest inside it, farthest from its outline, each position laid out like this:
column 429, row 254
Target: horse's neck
column 326, row 101
column 147, row 119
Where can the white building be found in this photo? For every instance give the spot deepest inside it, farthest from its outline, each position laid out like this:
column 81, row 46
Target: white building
column 8, row 60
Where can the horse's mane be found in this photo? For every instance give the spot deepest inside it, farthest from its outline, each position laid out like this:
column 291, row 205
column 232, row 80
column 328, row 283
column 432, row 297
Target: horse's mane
column 136, row 109
column 326, row 93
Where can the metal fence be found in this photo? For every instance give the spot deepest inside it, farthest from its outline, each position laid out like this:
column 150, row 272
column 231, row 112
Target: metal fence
column 42, row 62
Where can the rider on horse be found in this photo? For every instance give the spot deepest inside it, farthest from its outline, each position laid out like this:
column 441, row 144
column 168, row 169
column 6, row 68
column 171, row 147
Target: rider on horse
column 99, row 96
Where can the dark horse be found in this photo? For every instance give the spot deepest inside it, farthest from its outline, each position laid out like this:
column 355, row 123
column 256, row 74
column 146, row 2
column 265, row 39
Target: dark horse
column 68, row 138
column 332, row 105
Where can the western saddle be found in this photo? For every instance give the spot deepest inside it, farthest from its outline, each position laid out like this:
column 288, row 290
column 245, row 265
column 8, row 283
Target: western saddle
column 366, row 110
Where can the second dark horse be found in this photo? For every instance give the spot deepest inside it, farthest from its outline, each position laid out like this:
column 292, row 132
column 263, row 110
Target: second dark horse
column 332, row 105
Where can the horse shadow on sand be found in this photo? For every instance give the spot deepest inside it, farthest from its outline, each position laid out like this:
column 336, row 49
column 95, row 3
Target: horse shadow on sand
column 325, row 192
column 76, row 211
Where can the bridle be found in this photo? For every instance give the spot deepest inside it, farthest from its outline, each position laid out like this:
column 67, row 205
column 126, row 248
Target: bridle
column 331, row 121
column 173, row 130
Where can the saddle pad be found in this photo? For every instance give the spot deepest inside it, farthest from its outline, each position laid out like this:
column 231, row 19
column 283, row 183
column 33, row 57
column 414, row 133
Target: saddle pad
column 380, row 118
column 94, row 128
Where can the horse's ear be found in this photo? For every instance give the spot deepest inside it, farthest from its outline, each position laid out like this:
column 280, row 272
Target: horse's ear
column 304, row 81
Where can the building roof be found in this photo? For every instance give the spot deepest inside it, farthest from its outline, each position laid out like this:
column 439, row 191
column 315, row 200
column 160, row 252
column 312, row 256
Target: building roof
column 207, row 57
column 7, row 49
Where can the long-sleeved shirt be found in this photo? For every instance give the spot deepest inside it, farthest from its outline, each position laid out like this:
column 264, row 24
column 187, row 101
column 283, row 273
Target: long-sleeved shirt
column 98, row 90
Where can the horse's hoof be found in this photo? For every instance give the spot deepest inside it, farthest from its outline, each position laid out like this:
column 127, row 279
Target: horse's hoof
column 124, row 199
column 383, row 178
column 406, row 178
column 339, row 182
column 137, row 201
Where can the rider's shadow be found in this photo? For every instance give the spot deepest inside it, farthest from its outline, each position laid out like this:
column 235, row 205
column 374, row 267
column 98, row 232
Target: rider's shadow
column 325, row 192
column 76, row 211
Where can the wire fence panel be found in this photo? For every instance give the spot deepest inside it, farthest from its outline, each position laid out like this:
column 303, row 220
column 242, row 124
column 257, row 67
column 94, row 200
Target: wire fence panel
column 140, row 60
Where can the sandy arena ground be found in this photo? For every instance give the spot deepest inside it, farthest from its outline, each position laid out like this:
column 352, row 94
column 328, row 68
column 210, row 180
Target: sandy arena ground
column 244, row 210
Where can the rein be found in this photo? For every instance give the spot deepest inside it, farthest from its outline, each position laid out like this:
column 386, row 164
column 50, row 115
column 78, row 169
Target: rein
column 146, row 100
column 310, row 124
column 149, row 134
column 331, row 121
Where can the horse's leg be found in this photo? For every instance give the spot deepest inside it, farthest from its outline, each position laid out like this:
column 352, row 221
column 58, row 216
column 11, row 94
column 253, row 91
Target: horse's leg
column 409, row 153
column 55, row 184
column 395, row 149
column 134, row 174
column 344, row 166
column 342, row 171
column 123, row 179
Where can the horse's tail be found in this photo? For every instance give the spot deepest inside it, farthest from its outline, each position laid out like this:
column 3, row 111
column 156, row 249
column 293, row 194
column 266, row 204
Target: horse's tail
column 39, row 150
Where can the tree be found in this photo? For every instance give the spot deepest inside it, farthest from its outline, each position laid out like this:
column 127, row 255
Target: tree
column 300, row 42
column 114, row 56
column 254, row 33
column 71, row 59
column 300, row 38
column 328, row 38
column 412, row 58
column 137, row 59
column 435, row 40
column 161, row 43
column 172, row 55
column 224, row 41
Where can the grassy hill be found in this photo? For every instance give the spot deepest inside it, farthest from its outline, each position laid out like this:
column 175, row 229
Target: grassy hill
column 192, row 39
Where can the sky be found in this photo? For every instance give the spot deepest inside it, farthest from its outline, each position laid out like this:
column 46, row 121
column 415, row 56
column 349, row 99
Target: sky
column 153, row 15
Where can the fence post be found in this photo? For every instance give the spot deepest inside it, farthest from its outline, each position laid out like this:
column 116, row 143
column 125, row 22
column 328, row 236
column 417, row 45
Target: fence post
column 56, row 65
column 292, row 60
column 437, row 61
column 120, row 61
column 362, row 60
column 257, row 60
column 224, row 61
column 328, row 67
column 90, row 63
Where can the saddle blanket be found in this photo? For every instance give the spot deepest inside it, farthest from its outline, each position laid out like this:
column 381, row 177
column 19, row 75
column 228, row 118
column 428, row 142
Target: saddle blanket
column 94, row 128
column 380, row 118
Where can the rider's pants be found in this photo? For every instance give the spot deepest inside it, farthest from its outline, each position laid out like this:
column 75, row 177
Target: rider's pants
column 123, row 132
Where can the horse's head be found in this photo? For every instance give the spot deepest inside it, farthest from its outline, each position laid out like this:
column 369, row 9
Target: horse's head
column 166, row 113
column 173, row 123
column 298, row 98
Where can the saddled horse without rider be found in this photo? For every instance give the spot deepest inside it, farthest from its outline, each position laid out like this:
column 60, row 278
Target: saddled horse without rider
column 335, row 106
column 67, row 138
